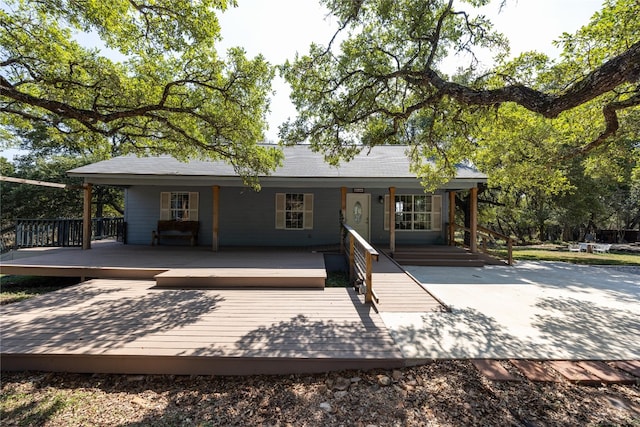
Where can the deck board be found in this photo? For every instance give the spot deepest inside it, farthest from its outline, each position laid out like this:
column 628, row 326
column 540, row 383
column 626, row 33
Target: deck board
column 132, row 325
column 100, row 319
column 397, row 291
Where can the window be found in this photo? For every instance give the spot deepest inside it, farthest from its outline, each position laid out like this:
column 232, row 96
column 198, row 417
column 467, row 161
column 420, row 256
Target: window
column 294, row 211
column 179, row 205
column 416, row 212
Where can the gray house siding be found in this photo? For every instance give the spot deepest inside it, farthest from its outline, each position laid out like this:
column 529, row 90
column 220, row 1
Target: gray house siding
column 247, row 218
column 143, row 212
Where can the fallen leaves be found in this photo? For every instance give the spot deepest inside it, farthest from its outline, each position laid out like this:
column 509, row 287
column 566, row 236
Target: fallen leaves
column 438, row 393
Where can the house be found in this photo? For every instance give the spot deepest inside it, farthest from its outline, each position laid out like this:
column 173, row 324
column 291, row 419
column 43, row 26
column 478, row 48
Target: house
column 300, row 204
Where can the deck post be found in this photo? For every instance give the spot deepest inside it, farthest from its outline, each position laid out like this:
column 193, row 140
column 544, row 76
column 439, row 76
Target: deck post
column 368, row 280
column 392, row 219
column 343, row 213
column 86, row 217
column 352, row 258
column 452, row 218
column 216, row 217
column 473, row 244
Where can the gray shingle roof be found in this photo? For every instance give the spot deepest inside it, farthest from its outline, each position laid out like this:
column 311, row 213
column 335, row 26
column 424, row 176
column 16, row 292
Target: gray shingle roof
column 389, row 161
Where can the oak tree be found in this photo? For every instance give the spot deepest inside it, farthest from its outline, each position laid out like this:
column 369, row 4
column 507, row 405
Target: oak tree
column 380, row 80
column 144, row 72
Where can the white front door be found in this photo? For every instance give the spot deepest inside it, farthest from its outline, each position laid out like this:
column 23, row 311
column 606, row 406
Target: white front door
column 357, row 215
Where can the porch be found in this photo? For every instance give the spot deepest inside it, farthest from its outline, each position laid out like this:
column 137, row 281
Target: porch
column 175, row 266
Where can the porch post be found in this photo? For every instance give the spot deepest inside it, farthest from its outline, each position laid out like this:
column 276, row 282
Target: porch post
column 392, row 219
column 86, row 217
column 473, row 244
column 452, row 218
column 343, row 213
column 216, row 217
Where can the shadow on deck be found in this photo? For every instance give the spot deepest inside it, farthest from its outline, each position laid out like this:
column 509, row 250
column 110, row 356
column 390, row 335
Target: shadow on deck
column 135, row 325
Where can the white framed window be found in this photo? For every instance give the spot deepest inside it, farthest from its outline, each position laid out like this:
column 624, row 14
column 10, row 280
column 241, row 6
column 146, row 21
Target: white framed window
column 179, row 205
column 294, row 211
column 415, row 212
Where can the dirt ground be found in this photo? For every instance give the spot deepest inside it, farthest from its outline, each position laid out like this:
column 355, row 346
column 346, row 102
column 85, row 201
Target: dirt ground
column 443, row 393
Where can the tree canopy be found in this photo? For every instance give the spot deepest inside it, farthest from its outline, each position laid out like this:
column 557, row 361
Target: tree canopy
column 143, row 73
column 385, row 84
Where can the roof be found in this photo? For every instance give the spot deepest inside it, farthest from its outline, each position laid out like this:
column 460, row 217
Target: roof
column 388, row 162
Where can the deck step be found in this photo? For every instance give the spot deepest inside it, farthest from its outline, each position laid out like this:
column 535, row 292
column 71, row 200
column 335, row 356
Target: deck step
column 272, row 278
column 444, row 256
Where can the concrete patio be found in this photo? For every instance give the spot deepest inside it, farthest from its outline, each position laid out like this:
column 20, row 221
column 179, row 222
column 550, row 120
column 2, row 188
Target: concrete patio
column 535, row 310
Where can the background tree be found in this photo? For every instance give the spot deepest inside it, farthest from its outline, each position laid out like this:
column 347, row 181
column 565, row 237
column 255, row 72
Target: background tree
column 47, row 160
column 33, row 202
column 168, row 91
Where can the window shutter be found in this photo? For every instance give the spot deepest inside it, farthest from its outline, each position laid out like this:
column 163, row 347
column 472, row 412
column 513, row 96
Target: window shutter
column 386, row 212
column 308, row 211
column 165, row 205
column 280, row 208
column 194, row 198
column 436, row 212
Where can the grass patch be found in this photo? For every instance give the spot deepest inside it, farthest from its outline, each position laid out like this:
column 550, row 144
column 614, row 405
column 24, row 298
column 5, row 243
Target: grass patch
column 20, row 288
column 539, row 254
column 337, row 279
column 28, row 405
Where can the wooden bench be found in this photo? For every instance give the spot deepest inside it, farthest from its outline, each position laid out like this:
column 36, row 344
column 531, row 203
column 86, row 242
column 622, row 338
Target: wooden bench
column 173, row 229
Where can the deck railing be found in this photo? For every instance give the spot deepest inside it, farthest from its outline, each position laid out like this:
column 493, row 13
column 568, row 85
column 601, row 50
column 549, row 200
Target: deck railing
column 29, row 233
column 361, row 257
column 488, row 241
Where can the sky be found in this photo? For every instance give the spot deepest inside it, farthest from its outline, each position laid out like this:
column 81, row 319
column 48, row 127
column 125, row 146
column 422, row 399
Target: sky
column 280, row 28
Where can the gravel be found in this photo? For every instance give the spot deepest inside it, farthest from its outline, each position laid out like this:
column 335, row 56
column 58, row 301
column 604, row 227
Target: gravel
column 442, row 393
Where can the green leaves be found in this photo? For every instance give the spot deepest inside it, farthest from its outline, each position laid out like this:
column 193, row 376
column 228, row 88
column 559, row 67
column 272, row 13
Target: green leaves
column 383, row 85
column 171, row 93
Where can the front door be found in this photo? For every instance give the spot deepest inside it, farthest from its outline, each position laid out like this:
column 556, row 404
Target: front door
column 357, row 215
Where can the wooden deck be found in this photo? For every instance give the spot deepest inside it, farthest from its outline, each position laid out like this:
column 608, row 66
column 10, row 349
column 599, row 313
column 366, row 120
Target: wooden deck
column 176, row 266
column 133, row 325
column 398, row 291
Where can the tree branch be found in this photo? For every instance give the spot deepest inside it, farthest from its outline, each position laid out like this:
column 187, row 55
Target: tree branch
column 624, row 68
